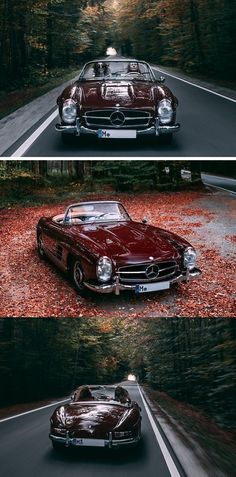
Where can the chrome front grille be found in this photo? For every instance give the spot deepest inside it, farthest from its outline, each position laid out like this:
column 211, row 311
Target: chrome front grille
column 103, row 118
column 147, row 272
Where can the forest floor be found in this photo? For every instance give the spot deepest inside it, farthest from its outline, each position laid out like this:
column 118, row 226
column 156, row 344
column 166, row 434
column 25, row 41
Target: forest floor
column 194, row 436
column 34, row 288
column 18, row 97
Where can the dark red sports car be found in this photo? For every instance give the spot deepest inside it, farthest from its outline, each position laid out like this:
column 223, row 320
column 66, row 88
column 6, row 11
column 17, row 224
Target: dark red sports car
column 104, row 250
column 96, row 421
column 117, row 98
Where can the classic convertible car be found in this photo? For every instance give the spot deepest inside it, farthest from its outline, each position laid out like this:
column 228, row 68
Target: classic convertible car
column 117, row 98
column 104, row 250
column 96, row 419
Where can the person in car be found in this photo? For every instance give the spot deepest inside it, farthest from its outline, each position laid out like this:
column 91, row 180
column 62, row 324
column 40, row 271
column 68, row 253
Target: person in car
column 133, row 67
column 122, row 395
column 83, row 393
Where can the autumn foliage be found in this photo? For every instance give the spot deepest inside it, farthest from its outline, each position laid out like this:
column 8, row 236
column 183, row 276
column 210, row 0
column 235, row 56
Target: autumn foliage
column 34, row 288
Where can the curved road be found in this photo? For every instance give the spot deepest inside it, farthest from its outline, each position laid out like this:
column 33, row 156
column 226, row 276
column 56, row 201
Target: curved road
column 26, row 451
column 220, row 182
column 207, row 129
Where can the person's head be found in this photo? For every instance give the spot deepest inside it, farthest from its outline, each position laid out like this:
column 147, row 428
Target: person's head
column 122, row 395
column 82, row 393
column 133, row 66
column 98, row 68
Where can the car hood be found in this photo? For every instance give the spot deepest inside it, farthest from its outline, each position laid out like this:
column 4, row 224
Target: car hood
column 128, row 242
column 95, row 94
column 93, row 417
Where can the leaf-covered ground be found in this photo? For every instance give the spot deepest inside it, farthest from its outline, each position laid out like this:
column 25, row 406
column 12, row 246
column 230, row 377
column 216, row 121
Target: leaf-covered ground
column 30, row 287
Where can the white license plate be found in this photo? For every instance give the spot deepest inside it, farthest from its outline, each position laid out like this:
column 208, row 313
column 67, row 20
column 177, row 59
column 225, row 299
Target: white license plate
column 89, row 442
column 149, row 287
column 117, row 133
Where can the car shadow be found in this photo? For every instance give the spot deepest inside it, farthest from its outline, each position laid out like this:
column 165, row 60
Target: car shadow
column 96, row 456
column 142, row 146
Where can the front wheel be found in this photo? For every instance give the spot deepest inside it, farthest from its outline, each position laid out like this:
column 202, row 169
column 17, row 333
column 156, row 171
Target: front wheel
column 77, row 276
column 40, row 247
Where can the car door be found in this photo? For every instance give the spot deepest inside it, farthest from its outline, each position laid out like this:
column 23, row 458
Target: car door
column 56, row 243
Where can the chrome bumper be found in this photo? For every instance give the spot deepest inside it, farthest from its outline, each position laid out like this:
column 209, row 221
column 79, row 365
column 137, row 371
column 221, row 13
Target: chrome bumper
column 110, row 443
column 116, row 286
column 78, row 129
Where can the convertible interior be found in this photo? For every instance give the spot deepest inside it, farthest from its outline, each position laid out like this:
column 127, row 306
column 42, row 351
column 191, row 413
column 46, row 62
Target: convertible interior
column 75, row 218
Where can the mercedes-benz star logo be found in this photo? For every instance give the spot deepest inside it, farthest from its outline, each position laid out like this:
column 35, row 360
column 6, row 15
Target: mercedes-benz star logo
column 117, row 118
column 152, row 271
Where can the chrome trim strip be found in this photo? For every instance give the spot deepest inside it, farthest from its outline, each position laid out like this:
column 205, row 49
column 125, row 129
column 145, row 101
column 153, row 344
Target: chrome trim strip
column 165, row 272
column 143, row 271
column 108, row 117
column 103, row 117
column 67, row 441
column 116, row 286
column 153, row 131
column 118, row 108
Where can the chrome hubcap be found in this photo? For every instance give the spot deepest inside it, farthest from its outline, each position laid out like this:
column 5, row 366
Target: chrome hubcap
column 78, row 276
column 40, row 246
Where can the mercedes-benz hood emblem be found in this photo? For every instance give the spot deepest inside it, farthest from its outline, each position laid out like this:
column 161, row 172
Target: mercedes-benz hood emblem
column 152, row 272
column 117, row 118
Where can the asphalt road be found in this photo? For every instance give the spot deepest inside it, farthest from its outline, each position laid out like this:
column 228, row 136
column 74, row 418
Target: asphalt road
column 207, row 130
column 219, row 181
column 26, row 451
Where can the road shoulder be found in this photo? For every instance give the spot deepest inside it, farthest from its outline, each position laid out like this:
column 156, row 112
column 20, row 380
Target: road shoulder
column 195, row 458
column 13, row 126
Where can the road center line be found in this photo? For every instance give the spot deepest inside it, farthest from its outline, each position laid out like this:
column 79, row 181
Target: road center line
column 169, row 461
column 29, row 141
column 196, row 85
column 33, row 410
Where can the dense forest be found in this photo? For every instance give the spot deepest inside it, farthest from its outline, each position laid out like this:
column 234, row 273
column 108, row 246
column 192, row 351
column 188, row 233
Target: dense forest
column 192, row 360
column 193, row 35
column 38, row 38
column 118, row 175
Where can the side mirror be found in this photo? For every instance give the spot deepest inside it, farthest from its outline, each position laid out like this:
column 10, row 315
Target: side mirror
column 161, row 79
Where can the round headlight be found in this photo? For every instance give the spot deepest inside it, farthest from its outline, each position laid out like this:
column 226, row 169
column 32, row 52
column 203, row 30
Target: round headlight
column 165, row 111
column 104, row 269
column 189, row 258
column 69, row 111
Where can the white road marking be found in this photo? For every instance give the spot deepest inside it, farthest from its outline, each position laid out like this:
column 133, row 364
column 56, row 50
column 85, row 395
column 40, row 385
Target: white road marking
column 196, row 85
column 218, row 177
column 33, row 410
column 29, row 141
column 204, row 180
column 218, row 187
column 169, row 461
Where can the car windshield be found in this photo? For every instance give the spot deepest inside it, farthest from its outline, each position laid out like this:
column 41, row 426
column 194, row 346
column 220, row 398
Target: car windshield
column 103, row 394
column 117, row 70
column 95, row 212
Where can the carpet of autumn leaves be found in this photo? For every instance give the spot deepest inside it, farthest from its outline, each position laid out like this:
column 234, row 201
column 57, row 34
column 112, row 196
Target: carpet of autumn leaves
column 30, row 287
